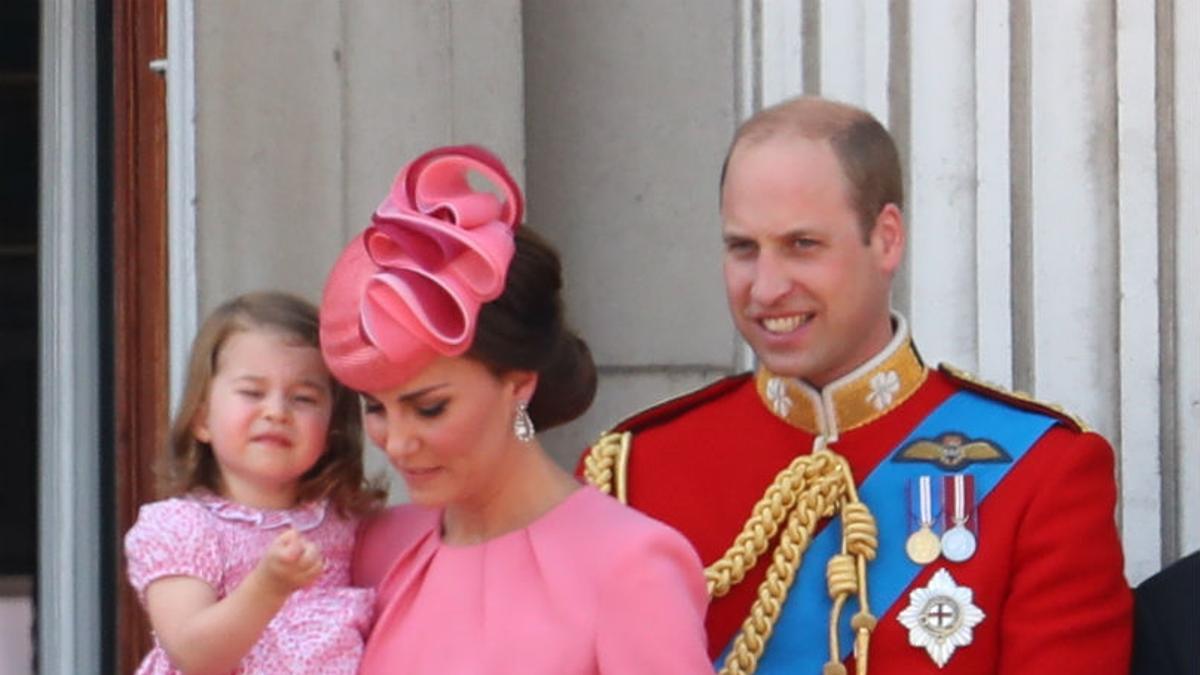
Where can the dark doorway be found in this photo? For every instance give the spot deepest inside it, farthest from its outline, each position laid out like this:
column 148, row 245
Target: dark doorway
column 18, row 321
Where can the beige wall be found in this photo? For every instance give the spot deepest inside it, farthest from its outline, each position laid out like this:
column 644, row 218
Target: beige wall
column 618, row 118
column 305, row 114
column 305, row 111
column 627, row 116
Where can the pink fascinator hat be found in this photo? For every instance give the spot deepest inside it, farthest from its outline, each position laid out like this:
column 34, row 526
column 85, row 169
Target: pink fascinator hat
column 409, row 288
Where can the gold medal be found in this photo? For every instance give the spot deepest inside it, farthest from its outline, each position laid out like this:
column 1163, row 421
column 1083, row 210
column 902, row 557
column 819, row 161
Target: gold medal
column 923, row 546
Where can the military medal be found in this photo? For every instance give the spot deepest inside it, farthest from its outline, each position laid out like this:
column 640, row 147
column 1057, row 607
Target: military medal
column 941, row 617
column 958, row 542
column 923, row 546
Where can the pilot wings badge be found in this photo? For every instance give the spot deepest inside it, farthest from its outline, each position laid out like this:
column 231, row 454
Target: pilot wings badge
column 952, row 451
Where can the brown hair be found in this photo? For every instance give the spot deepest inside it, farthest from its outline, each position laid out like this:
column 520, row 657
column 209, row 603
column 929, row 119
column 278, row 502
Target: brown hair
column 189, row 464
column 525, row 329
column 866, row 151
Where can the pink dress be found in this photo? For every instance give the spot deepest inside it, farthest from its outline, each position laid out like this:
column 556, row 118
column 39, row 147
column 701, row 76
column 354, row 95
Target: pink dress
column 319, row 629
column 590, row 587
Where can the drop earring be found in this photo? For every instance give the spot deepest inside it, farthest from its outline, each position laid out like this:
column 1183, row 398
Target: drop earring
column 522, row 424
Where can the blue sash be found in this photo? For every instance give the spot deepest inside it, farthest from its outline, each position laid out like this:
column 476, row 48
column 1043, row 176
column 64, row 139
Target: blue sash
column 800, row 641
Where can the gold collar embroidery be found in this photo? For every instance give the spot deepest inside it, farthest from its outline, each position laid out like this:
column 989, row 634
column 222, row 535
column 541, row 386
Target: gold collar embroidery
column 860, row 397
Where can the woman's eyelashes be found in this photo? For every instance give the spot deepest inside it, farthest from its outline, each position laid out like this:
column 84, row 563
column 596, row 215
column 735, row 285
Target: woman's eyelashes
column 431, row 410
column 426, row 409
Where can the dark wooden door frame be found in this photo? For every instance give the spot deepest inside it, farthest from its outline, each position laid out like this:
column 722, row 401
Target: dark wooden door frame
column 141, row 314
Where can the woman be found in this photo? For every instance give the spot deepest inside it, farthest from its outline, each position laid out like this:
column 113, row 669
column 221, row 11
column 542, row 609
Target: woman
column 452, row 327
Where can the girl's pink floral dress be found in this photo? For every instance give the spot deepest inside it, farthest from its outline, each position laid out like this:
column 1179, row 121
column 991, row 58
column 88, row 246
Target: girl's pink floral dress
column 320, row 629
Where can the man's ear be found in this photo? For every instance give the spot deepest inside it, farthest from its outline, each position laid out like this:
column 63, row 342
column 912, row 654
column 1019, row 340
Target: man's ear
column 888, row 237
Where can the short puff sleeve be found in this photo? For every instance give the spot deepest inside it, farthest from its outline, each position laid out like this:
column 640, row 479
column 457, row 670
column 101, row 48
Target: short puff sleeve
column 651, row 617
column 174, row 537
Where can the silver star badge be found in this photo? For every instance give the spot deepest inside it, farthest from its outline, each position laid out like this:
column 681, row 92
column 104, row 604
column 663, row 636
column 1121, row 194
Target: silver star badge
column 940, row 616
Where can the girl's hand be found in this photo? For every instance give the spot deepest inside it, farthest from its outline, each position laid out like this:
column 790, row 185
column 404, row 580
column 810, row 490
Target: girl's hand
column 291, row 562
column 204, row 633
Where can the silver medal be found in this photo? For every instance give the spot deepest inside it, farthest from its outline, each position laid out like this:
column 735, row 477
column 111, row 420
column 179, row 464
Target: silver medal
column 958, row 543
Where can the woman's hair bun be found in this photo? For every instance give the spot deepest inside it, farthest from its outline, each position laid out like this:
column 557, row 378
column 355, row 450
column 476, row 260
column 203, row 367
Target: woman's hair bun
column 525, row 329
column 566, row 385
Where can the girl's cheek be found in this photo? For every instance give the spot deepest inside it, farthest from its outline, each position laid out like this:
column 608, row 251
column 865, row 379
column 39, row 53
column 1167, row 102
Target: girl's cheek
column 375, row 431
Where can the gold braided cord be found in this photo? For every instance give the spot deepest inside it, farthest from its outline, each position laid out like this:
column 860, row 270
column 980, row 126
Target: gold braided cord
column 749, row 644
column 622, row 469
column 860, row 539
column 841, row 577
column 846, row 575
column 807, row 474
column 604, row 460
column 811, row 488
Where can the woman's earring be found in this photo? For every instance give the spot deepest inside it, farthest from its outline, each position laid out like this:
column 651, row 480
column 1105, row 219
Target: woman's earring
column 522, row 424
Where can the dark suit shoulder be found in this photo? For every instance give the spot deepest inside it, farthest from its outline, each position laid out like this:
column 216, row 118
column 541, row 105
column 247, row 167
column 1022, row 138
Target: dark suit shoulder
column 1167, row 620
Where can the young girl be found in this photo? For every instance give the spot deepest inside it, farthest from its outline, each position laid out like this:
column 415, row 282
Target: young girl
column 246, row 565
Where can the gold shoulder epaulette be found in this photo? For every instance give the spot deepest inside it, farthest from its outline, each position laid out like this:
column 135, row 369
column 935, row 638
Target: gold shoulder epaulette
column 606, row 463
column 1019, row 399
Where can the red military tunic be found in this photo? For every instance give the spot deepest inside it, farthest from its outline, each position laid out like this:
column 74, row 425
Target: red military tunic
column 1048, row 570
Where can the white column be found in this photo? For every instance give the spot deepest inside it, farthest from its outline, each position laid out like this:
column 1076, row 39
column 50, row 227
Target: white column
column 181, row 190
column 842, row 64
column 1138, row 305
column 876, row 57
column 942, row 213
column 69, row 508
column 993, row 199
column 1073, row 209
column 1187, row 252
column 782, row 54
column 855, row 39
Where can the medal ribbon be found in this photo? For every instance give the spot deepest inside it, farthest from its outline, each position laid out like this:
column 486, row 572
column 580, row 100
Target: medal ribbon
column 926, row 497
column 796, row 646
column 961, row 487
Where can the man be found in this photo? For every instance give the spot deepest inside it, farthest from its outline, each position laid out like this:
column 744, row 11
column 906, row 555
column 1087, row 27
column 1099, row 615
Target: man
column 848, row 500
column 1167, row 620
